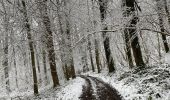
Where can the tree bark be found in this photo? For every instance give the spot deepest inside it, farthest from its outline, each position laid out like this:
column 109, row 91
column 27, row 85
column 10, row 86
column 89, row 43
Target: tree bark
column 62, row 41
column 128, row 48
column 97, row 56
column 161, row 24
column 38, row 64
column 69, row 62
column 31, row 47
column 167, row 11
column 96, row 42
column 69, row 52
column 49, row 41
column 5, row 63
column 45, row 67
column 130, row 10
column 103, row 12
column 127, row 38
column 15, row 66
column 89, row 39
column 91, row 56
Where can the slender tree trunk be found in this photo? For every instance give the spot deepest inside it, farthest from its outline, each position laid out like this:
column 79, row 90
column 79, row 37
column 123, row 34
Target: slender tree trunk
column 16, row 73
column 69, row 56
column 73, row 74
column 159, row 47
column 5, row 63
column 49, row 40
column 129, row 10
column 62, row 41
column 161, row 24
column 91, row 56
column 89, row 39
column 167, row 10
column 127, row 41
column 96, row 42
column 38, row 63
column 12, row 41
column 103, row 12
column 26, row 65
column 5, row 49
column 135, row 44
column 97, row 56
column 66, row 72
column 45, row 68
column 31, row 47
column 128, row 48
column 69, row 62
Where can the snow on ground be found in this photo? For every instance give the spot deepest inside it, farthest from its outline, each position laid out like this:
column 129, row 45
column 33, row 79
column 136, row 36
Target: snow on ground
column 151, row 83
column 167, row 58
column 71, row 90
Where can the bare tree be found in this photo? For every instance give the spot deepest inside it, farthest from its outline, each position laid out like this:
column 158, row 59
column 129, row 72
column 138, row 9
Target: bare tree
column 161, row 24
column 42, row 5
column 96, row 42
column 5, row 46
column 127, row 39
column 89, row 46
column 167, row 10
column 130, row 8
column 68, row 40
column 103, row 15
column 45, row 67
column 31, row 46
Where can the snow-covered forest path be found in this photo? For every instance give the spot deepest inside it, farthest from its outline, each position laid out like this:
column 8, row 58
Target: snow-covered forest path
column 95, row 89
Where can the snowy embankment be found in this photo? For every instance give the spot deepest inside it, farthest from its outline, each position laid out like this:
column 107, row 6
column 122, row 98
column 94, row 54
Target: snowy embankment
column 71, row 91
column 151, row 83
column 68, row 91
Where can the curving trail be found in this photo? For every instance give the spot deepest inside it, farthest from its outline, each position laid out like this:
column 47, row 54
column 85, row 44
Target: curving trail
column 95, row 89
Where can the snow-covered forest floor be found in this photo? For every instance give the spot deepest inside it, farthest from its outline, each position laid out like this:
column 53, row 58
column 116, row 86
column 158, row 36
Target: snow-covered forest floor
column 151, row 83
column 71, row 90
column 85, row 50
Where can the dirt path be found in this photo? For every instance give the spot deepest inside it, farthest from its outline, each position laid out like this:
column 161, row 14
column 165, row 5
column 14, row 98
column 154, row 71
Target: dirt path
column 96, row 89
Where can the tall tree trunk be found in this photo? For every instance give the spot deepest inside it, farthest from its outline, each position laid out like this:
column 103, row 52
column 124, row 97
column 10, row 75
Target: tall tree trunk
column 89, row 46
column 103, row 12
column 128, row 48
column 68, row 41
column 161, row 24
column 62, row 41
column 96, row 42
column 49, row 40
column 69, row 62
column 91, row 56
column 5, row 62
column 38, row 63
column 31, row 47
column 12, row 41
column 167, row 10
column 127, row 38
column 5, row 47
column 97, row 56
column 15, row 66
column 130, row 10
column 45, row 67
column 159, row 47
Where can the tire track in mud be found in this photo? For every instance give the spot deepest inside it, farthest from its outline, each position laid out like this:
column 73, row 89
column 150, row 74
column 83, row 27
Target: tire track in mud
column 96, row 89
column 87, row 90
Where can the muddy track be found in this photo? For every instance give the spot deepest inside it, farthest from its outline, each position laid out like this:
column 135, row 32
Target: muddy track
column 87, row 90
column 96, row 89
